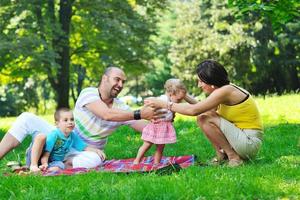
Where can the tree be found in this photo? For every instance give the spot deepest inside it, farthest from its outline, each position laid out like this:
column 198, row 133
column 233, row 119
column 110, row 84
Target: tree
column 67, row 38
column 206, row 30
column 278, row 13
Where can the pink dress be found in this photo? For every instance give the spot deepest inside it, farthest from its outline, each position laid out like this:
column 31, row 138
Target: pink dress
column 162, row 130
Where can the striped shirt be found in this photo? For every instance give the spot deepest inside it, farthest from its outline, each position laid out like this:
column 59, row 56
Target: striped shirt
column 91, row 128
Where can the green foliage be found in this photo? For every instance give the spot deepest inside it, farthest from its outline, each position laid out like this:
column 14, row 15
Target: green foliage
column 255, row 56
column 18, row 97
column 151, row 40
column 74, row 38
column 273, row 175
column 206, row 30
column 278, row 12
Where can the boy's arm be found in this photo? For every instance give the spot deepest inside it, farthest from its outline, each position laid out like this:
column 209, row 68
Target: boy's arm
column 100, row 153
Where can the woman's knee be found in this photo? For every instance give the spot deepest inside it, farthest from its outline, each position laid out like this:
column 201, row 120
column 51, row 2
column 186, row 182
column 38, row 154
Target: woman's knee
column 204, row 118
column 207, row 117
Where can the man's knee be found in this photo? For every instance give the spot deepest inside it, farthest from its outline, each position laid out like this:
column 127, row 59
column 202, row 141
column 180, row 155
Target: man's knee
column 26, row 116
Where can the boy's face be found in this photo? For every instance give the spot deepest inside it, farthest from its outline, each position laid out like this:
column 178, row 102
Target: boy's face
column 66, row 122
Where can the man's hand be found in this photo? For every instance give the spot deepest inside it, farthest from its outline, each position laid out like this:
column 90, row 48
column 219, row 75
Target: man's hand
column 147, row 112
column 101, row 154
column 160, row 113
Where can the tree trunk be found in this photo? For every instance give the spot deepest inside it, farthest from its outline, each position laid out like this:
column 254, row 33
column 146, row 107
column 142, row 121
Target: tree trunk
column 63, row 47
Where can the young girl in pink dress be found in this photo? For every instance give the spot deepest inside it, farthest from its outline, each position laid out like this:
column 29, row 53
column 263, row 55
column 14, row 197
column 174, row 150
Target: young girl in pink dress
column 161, row 131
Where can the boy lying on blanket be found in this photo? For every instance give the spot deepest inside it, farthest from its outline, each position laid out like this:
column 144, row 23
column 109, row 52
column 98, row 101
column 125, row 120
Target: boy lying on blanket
column 59, row 142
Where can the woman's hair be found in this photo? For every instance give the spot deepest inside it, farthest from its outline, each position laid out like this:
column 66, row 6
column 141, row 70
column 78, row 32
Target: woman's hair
column 174, row 85
column 213, row 73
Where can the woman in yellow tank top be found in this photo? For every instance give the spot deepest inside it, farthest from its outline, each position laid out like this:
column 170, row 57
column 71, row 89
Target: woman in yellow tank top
column 229, row 116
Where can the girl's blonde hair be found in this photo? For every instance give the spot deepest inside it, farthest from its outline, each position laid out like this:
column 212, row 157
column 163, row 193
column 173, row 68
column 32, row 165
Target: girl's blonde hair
column 173, row 86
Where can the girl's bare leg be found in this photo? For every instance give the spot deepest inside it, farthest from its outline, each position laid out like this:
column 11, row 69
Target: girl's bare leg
column 158, row 153
column 142, row 150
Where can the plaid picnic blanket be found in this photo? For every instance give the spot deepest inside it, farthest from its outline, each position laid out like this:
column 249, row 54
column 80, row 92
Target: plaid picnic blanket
column 167, row 164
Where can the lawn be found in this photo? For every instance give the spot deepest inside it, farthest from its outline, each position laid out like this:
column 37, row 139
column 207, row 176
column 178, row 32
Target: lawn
column 275, row 174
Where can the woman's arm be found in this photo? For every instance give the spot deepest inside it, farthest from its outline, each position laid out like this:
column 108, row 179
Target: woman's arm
column 188, row 98
column 217, row 97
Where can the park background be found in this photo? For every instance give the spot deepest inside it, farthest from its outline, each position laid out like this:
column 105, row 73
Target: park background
column 52, row 49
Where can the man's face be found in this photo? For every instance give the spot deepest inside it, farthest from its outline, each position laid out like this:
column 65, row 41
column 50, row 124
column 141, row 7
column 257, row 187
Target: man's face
column 114, row 82
column 66, row 122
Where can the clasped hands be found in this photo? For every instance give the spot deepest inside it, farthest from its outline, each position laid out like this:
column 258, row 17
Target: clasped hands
column 152, row 109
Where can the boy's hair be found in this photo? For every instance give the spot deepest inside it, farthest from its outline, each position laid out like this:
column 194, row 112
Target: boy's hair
column 58, row 111
column 174, row 85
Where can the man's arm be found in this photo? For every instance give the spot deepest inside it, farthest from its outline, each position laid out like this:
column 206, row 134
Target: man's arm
column 139, row 125
column 101, row 110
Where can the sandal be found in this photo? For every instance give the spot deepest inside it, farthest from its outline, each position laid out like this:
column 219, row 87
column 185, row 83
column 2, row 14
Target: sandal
column 22, row 170
column 217, row 161
column 14, row 165
column 235, row 163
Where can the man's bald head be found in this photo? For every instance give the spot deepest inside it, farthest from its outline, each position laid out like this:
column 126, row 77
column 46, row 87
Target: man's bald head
column 112, row 81
column 112, row 69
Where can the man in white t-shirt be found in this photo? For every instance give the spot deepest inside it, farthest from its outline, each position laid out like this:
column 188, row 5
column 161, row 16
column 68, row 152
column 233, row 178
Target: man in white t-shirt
column 97, row 114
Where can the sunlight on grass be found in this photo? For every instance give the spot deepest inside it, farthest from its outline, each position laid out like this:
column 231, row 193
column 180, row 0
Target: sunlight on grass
column 289, row 162
column 274, row 174
column 280, row 109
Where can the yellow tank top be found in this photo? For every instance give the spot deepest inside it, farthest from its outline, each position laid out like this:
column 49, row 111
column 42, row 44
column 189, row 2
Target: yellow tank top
column 244, row 115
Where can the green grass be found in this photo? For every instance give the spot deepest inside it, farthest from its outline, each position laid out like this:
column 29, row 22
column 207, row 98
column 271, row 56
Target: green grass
column 275, row 174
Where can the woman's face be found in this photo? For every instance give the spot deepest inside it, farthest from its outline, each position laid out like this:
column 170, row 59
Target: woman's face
column 206, row 88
